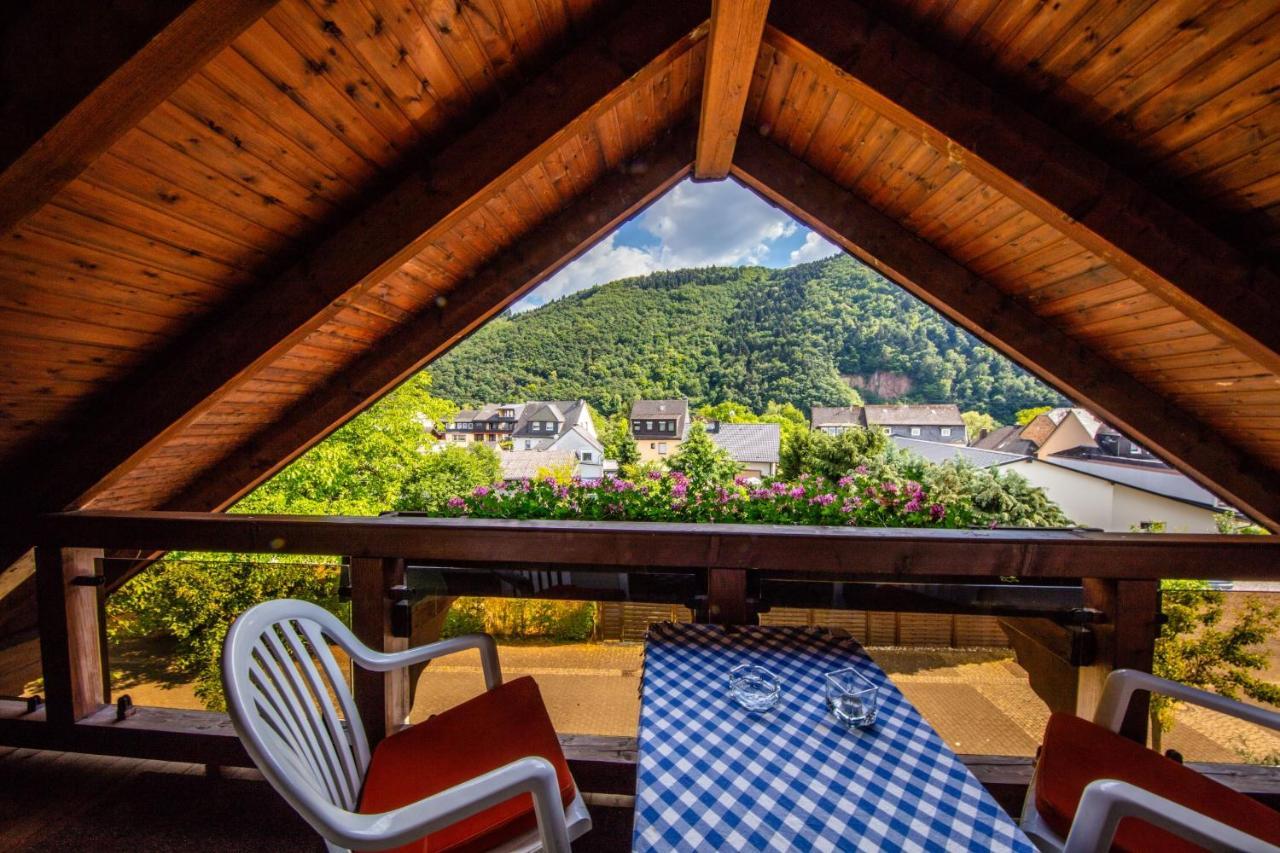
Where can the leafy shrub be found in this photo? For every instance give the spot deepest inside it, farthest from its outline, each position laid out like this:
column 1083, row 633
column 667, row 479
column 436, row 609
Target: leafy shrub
column 194, row 601
column 522, row 618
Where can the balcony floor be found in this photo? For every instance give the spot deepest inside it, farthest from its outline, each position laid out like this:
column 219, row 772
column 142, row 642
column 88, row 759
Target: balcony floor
column 57, row 801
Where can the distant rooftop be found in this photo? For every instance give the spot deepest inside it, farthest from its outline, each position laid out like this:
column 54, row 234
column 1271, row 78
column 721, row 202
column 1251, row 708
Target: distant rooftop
column 748, row 442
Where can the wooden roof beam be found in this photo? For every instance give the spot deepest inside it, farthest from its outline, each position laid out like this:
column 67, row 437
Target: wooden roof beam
column 58, row 120
column 513, row 273
column 1085, row 197
column 736, row 29
column 1008, row 325
column 176, row 387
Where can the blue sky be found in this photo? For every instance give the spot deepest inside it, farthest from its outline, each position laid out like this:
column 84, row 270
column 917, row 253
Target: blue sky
column 693, row 225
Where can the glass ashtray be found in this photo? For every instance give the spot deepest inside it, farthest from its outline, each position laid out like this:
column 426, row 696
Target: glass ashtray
column 754, row 688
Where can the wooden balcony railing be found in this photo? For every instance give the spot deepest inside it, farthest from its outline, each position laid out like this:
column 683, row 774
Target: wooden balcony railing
column 1118, row 573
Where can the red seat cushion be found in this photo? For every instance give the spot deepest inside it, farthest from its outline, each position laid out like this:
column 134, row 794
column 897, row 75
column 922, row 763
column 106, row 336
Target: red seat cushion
column 475, row 737
column 1077, row 752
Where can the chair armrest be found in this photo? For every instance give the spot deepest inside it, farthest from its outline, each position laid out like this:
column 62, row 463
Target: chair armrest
column 1122, row 683
column 386, row 661
column 531, row 775
column 1107, row 801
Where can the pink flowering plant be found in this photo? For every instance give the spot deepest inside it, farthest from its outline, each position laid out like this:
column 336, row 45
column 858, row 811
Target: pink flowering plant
column 861, row 498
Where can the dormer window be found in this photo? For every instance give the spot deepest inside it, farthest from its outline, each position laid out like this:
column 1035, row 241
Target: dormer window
column 648, row 425
column 537, row 426
column 635, row 426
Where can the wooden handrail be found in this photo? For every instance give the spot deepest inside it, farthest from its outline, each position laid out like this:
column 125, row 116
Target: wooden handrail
column 839, row 551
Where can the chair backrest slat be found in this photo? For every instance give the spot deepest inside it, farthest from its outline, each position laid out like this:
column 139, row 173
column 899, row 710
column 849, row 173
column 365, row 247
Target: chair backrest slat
column 342, row 691
column 277, row 685
column 337, row 748
column 293, row 708
column 308, row 716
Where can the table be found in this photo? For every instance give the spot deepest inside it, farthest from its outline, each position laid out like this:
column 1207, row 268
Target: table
column 713, row 777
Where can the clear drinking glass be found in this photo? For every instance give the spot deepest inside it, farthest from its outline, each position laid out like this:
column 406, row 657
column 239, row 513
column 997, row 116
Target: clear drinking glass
column 851, row 696
column 753, row 687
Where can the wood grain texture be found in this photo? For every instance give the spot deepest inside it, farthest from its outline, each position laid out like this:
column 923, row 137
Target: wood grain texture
column 191, row 375
column 503, row 280
column 734, row 43
column 1089, row 200
column 1009, row 326
column 71, row 651
column 114, row 106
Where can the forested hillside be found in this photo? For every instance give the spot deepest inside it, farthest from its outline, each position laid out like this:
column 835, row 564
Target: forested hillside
column 745, row 334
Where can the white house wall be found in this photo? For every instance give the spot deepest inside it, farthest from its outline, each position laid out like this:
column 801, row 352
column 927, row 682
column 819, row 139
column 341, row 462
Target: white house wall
column 1179, row 517
column 1086, row 500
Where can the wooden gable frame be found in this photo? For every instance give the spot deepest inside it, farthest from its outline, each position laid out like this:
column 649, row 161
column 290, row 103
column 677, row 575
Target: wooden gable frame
column 354, row 214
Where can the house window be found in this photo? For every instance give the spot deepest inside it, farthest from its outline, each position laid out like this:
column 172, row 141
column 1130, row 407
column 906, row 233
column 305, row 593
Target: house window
column 915, row 431
column 528, row 445
column 662, row 447
column 635, row 426
column 586, row 456
column 648, row 426
column 479, row 437
column 537, row 426
column 549, row 426
column 946, row 432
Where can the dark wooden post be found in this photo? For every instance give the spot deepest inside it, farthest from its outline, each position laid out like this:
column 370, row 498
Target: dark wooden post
column 727, row 597
column 1126, row 641
column 71, row 648
column 382, row 697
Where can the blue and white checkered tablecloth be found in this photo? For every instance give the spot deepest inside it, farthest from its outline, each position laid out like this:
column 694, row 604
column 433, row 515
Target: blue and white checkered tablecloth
column 713, row 777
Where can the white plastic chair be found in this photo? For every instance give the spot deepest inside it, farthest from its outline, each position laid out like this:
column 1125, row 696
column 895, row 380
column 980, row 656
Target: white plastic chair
column 296, row 716
column 1106, row 802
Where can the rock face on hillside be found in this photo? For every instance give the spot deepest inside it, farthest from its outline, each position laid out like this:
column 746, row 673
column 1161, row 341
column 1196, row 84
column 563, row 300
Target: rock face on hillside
column 882, row 385
column 745, row 334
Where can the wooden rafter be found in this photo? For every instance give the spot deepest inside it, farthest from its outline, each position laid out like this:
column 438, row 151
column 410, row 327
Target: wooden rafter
column 1157, row 245
column 56, row 154
column 736, row 29
column 183, row 382
column 502, row 281
column 1008, row 325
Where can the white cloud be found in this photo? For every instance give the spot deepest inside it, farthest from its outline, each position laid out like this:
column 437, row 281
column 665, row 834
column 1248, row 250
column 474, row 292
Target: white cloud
column 605, row 261
column 693, row 225
column 815, row 248
column 718, row 224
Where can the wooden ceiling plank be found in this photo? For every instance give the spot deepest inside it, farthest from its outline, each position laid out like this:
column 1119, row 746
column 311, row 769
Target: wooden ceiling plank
column 191, row 375
column 141, row 82
column 511, row 274
column 1043, row 171
column 1010, row 327
column 734, row 45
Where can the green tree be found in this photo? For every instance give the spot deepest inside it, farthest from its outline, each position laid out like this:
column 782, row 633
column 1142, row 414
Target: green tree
column 452, row 472
column 1026, row 416
column 1197, row 649
column 975, row 423
column 830, row 456
column 742, row 335
column 194, row 601
column 360, row 469
column 615, row 435
column 702, row 460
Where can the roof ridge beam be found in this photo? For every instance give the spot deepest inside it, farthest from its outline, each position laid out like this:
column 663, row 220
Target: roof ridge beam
column 1008, row 325
column 538, row 255
column 57, row 155
column 182, row 382
column 1110, row 214
column 737, row 27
